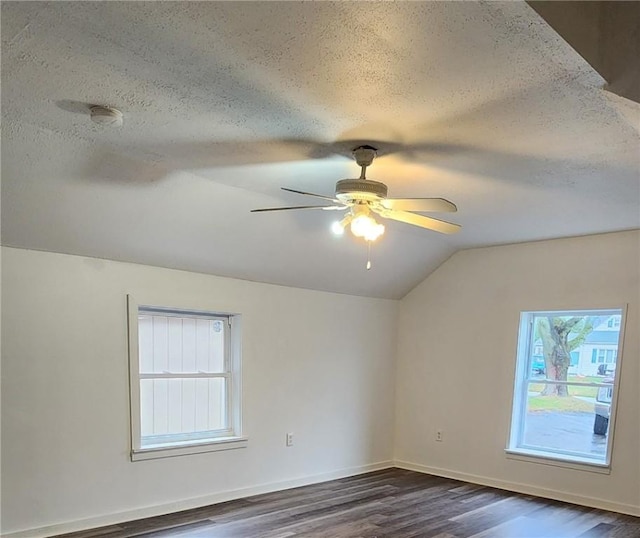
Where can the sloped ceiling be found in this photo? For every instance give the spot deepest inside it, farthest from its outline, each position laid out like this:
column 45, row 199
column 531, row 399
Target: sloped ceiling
column 225, row 102
column 605, row 33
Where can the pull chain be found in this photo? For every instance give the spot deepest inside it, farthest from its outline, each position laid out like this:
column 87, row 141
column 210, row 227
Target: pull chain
column 368, row 255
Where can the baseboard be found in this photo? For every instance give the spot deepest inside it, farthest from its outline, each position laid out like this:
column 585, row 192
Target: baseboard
column 526, row 489
column 130, row 515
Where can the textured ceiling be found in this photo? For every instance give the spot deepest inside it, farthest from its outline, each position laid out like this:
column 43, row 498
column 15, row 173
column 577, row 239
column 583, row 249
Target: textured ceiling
column 224, row 102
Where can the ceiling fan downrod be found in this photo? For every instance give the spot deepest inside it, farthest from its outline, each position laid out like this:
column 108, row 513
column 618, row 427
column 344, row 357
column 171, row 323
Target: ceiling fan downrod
column 361, row 190
column 364, row 156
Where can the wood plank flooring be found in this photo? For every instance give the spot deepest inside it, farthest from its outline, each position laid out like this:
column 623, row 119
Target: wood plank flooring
column 386, row 504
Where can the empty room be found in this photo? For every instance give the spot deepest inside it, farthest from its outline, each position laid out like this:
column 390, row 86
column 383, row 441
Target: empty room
column 280, row 269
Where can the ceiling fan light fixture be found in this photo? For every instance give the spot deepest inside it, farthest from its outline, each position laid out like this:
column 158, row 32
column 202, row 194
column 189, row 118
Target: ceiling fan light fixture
column 338, row 226
column 366, row 227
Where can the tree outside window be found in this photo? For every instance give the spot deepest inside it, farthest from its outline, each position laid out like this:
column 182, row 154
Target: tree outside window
column 564, row 394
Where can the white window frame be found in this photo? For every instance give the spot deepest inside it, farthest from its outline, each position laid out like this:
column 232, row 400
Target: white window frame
column 519, row 451
column 230, row 438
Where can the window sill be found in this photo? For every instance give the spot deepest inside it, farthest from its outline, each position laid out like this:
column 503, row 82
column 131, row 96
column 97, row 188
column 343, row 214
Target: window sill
column 183, row 449
column 558, row 460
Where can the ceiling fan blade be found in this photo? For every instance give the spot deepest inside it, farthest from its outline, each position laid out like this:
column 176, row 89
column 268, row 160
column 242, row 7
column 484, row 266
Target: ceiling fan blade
column 310, row 194
column 420, row 220
column 325, row 207
column 420, row 204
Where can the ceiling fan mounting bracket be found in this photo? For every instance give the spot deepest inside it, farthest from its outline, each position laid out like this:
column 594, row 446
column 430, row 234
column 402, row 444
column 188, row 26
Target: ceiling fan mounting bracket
column 364, row 155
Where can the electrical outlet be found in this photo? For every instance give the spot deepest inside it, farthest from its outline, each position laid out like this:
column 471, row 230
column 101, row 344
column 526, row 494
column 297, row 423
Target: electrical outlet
column 439, row 435
column 289, row 439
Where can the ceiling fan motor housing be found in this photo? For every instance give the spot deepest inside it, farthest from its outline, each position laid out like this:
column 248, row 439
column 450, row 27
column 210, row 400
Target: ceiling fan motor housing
column 360, row 190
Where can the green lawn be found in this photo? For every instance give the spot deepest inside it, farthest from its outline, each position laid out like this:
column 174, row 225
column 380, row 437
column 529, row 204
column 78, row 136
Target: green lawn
column 567, row 404
column 589, row 392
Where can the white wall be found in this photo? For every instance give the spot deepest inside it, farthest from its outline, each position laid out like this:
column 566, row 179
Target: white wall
column 456, row 356
column 317, row 364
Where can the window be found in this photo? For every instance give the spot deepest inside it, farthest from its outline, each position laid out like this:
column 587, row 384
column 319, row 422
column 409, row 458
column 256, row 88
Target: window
column 600, row 356
column 563, row 408
column 185, row 381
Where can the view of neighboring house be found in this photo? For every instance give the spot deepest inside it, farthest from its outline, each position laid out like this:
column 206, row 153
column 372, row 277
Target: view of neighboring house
column 600, row 348
column 597, row 355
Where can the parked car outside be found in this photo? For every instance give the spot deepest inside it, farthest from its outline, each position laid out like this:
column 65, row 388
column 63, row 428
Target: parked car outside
column 537, row 366
column 603, row 408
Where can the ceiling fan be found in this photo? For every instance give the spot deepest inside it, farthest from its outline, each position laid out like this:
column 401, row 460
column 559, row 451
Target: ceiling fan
column 363, row 196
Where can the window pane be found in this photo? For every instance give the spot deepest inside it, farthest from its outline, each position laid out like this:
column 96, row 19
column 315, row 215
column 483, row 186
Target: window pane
column 218, row 334
column 145, row 343
column 182, row 406
column 559, row 355
column 567, row 423
column 181, row 345
column 187, row 391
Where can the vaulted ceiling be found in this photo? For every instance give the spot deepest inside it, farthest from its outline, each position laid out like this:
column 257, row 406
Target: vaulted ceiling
column 225, row 102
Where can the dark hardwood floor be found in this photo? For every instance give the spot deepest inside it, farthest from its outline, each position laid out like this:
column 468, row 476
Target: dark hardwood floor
column 386, row 504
